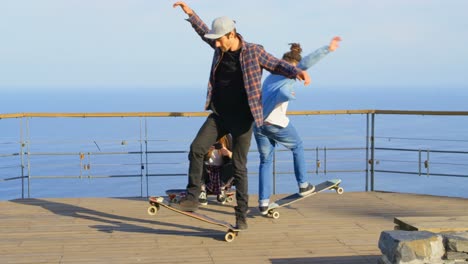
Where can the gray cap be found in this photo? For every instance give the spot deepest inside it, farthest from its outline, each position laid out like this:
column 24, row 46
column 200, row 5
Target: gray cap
column 220, row 27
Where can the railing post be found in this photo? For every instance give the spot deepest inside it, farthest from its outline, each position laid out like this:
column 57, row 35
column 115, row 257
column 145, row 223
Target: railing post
column 427, row 163
column 325, row 160
column 367, row 152
column 317, row 161
column 22, row 156
column 419, row 162
column 146, row 156
column 274, row 171
column 372, row 150
column 141, row 158
column 28, row 143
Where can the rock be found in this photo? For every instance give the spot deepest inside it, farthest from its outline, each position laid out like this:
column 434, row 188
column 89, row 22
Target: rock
column 408, row 247
column 457, row 241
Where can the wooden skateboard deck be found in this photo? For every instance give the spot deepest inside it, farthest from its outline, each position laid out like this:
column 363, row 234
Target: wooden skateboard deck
column 326, row 185
column 157, row 202
column 175, row 195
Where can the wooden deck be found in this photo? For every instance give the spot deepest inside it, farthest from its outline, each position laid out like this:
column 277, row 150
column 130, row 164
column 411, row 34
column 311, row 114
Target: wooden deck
column 327, row 228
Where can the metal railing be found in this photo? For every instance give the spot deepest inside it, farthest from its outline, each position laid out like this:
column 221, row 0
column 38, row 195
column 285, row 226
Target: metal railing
column 143, row 160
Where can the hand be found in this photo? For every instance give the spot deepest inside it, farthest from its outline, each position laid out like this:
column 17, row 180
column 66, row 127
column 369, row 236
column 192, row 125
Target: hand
column 187, row 10
column 304, row 76
column 334, row 44
column 226, row 152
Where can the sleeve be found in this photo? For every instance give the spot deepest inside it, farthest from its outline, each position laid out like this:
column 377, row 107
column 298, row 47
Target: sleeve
column 275, row 65
column 201, row 29
column 314, row 57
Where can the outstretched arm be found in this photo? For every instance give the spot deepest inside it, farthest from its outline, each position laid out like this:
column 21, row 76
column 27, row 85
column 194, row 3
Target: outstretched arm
column 281, row 67
column 334, row 43
column 200, row 27
column 187, row 10
column 314, row 57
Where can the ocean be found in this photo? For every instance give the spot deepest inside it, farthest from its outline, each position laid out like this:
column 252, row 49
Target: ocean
column 323, row 137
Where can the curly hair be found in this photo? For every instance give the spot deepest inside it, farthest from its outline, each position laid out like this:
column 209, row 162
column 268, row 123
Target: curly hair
column 294, row 55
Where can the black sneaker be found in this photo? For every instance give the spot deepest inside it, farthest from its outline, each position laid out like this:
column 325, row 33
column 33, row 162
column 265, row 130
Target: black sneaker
column 202, row 200
column 241, row 221
column 306, row 190
column 186, row 205
column 241, row 224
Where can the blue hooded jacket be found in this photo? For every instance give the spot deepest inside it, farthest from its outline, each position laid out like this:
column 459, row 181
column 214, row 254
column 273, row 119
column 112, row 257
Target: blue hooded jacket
column 278, row 89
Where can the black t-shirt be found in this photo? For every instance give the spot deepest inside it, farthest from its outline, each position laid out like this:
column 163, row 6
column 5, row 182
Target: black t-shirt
column 229, row 96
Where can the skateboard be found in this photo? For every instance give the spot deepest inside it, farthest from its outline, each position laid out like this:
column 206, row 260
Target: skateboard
column 175, row 195
column 157, row 202
column 327, row 185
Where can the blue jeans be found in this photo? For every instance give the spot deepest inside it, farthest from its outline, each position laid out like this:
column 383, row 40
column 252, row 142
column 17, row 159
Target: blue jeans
column 268, row 137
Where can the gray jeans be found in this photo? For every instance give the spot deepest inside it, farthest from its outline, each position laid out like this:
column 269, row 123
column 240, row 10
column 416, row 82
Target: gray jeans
column 213, row 129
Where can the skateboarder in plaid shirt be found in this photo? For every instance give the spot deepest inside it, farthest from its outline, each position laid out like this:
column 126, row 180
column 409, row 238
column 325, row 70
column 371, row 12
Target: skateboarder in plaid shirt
column 234, row 97
column 277, row 129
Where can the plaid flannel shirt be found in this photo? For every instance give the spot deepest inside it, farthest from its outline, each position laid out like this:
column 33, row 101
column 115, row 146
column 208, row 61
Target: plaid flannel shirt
column 253, row 59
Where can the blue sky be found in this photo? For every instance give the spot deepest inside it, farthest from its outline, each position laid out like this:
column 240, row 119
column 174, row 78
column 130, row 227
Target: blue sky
column 104, row 44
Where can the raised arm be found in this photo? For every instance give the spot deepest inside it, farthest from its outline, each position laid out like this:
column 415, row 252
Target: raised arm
column 314, row 57
column 198, row 25
column 187, row 10
column 334, row 43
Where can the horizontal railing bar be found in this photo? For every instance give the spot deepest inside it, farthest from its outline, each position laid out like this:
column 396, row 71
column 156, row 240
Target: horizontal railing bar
column 10, row 166
column 79, row 153
column 75, row 165
column 9, row 155
column 204, row 114
column 167, row 152
column 416, row 162
column 420, row 112
column 320, row 171
column 426, row 150
column 166, row 174
column 83, row 176
column 334, row 171
column 423, row 173
column 13, row 178
column 423, row 139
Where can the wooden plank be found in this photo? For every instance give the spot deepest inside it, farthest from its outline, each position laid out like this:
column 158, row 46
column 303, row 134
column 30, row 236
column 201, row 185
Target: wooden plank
column 434, row 224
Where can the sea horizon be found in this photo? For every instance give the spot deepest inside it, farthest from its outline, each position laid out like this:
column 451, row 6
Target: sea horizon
column 317, row 131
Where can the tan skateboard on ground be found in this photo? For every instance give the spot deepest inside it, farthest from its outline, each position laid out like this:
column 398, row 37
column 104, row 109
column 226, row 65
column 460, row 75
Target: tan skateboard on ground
column 157, row 202
column 176, row 194
column 327, row 185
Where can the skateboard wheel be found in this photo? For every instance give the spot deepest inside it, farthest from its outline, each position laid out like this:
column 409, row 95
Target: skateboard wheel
column 229, row 237
column 339, row 190
column 229, row 199
column 152, row 210
column 275, row 215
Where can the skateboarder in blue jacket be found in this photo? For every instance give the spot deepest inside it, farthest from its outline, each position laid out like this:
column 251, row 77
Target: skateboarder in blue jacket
column 277, row 91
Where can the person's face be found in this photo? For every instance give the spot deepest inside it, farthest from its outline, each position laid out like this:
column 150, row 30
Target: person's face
column 224, row 42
